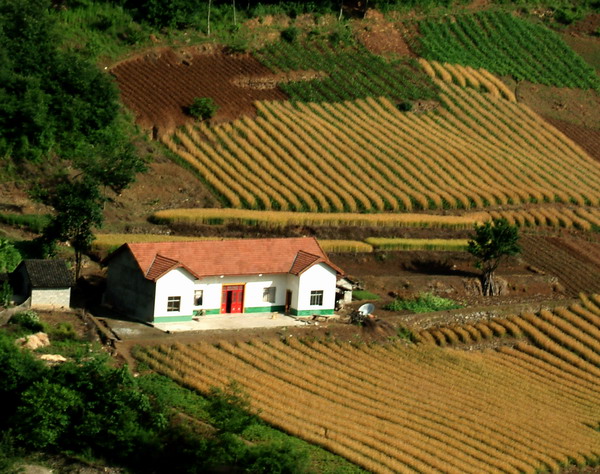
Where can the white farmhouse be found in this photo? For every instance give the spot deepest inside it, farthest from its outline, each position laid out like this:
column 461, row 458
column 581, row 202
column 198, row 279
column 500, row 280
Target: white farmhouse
column 175, row 281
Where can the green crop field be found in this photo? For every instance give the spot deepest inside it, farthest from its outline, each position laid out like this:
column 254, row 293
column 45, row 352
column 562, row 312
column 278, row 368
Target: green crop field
column 506, row 45
column 353, row 73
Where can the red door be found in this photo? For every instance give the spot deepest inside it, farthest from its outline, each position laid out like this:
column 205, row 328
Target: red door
column 232, row 299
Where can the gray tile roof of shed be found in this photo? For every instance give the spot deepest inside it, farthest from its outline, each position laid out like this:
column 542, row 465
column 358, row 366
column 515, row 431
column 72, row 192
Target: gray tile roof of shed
column 48, row 273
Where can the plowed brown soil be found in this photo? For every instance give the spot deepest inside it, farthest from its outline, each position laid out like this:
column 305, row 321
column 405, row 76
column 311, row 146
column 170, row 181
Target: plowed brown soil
column 587, row 138
column 159, row 85
column 569, row 260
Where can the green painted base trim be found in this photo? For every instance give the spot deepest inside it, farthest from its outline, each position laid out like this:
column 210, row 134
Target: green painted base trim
column 171, row 319
column 308, row 312
column 265, row 309
column 212, row 311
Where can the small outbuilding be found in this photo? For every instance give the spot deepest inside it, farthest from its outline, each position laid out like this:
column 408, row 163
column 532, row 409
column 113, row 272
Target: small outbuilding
column 45, row 283
column 176, row 281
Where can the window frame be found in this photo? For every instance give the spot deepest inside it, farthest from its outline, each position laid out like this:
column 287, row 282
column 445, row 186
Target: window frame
column 316, row 297
column 269, row 294
column 173, row 304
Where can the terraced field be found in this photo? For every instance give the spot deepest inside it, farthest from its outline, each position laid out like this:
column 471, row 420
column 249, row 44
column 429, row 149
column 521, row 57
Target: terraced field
column 406, row 408
column 576, row 264
column 476, row 151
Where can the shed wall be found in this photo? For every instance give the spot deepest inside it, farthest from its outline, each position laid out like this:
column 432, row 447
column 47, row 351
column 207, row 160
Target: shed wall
column 51, row 297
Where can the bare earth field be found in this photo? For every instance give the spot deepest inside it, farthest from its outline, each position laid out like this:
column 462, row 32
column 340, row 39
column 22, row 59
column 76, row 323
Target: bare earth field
column 158, row 85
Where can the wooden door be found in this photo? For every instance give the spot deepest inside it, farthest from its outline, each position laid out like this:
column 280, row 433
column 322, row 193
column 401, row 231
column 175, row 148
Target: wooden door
column 232, row 299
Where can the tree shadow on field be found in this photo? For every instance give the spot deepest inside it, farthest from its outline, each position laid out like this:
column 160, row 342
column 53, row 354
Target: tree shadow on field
column 437, row 267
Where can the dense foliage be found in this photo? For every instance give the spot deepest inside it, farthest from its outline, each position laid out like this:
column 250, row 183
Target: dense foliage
column 506, row 45
column 203, row 108
column 60, row 122
column 423, row 303
column 90, row 409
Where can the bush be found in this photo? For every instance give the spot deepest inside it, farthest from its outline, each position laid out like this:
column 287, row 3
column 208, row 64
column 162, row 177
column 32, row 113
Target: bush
column 404, row 106
column 5, row 294
column 424, row 303
column 28, row 320
column 203, row 108
column 290, row 34
column 229, row 409
column 62, row 332
column 566, row 16
column 276, row 458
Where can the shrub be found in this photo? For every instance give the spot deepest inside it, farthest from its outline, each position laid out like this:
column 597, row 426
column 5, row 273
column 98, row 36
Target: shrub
column 63, row 332
column 424, row 303
column 566, row 16
column 405, row 106
column 277, row 458
column 290, row 34
column 229, row 409
column 5, row 294
column 203, row 108
column 28, row 320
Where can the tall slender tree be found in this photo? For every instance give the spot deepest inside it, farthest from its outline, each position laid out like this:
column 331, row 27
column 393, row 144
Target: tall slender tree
column 491, row 244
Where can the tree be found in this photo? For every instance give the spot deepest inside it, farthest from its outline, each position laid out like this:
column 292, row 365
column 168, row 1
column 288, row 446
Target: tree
column 78, row 204
column 492, row 243
column 203, row 108
column 10, row 257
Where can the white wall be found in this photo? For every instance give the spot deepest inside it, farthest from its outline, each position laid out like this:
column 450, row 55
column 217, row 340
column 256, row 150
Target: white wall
column 180, row 283
column 177, row 282
column 253, row 290
column 50, row 297
column 317, row 277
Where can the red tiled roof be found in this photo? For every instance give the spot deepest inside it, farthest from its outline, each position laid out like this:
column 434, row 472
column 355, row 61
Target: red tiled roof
column 229, row 257
column 303, row 261
column 162, row 265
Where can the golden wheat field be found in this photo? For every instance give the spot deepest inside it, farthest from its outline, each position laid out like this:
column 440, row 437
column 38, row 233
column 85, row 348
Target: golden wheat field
column 530, row 405
column 479, row 149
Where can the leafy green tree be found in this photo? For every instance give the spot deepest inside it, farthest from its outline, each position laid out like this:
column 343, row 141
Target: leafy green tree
column 45, row 413
column 492, row 243
column 203, row 108
column 10, row 257
column 78, row 204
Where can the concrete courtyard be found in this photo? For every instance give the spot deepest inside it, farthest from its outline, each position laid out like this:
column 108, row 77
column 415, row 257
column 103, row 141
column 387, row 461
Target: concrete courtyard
column 232, row 321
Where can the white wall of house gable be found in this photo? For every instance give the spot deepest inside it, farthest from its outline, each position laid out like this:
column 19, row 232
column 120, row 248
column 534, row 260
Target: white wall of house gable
column 318, row 277
column 177, row 282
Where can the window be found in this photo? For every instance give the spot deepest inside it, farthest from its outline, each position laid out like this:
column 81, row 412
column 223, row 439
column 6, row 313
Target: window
column 316, row 298
column 269, row 295
column 198, row 295
column 174, row 303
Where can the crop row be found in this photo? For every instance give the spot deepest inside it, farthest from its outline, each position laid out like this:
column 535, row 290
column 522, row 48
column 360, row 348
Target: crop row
column 366, row 155
column 571, row 334
column 350, row 74
column 398, row 408
column 569, row 217
column 506, row 45
column 466, row 76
